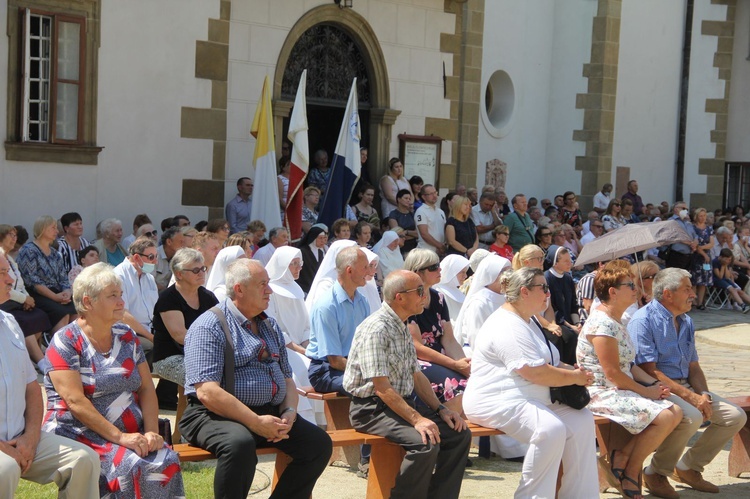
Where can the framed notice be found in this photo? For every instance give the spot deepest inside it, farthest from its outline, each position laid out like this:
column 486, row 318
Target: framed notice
column 421, row 156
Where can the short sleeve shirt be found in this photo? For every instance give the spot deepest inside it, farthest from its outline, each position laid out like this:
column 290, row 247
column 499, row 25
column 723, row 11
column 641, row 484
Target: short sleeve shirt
column 333, row 320
column 434, row 218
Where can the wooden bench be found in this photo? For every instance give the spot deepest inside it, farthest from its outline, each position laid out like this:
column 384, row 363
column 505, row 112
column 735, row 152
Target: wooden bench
column 336, row 410
column 609, row 435
column 385, row 460
column 739, row 454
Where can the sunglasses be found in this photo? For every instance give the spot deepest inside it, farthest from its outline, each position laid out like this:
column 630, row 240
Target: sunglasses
column 629, row 284
column 150, row 258
column 545, row 287
column 431, row 268
column 542, row 234
column 196, row 270
column 646, row 278
column 418, row 289
column 153, row 233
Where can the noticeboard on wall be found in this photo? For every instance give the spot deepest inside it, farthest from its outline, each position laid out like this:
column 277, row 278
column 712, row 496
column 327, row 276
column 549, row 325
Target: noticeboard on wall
column 421, row 156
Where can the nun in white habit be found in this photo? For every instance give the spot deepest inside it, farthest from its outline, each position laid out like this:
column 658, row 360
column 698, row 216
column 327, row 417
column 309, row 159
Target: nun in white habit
column 216, row 279
column 287, row 306
column 326, row 274
column 452, row 274
column 485, row 296
column 389, row 251
column 370, row 289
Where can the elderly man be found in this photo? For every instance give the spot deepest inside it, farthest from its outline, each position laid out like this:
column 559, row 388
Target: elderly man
column 724, row 238
column 664, row 338
column 430, row 220
column 139, row 221
column 602, row 198
column 139, row 290
column 172, row 240
column 382, row 374
column 277, row 238
column 681, row 253
column 251, row 402
column 596, row 229
column 333, row 319
column 519, row 224
column 25, row 451
column 590, row 217
column 239, row 208
column 485, row 219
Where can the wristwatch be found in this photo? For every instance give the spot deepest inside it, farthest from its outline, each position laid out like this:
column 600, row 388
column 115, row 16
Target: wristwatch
column 440, row 407
column 710, row 398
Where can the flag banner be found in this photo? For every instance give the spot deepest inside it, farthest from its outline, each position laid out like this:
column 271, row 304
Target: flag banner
column 266, row 207
column 300, row 162
column 345, row 167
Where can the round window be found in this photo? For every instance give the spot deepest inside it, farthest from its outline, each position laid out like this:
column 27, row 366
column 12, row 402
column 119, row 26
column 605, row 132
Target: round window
column 499, row 100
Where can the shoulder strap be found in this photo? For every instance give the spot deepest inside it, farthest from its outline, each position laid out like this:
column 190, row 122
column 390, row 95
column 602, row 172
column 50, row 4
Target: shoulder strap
column 228, row 352
column 541, row 330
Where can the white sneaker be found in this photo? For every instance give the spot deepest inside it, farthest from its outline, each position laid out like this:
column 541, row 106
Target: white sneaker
column 737, row 306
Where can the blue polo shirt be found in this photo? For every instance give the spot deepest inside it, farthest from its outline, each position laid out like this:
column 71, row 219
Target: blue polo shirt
column 333, row 320
column 656, row 340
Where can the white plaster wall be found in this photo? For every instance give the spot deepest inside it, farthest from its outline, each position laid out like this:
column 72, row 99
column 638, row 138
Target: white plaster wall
column 738, row 145
column 704, row 83
column 542, row 45
column 409, row 34
column 146, row 74
column 648, row 94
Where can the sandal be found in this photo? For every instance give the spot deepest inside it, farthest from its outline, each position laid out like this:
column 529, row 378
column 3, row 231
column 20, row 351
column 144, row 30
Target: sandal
column 612, row 480
column 633, row 494
column 618, row 473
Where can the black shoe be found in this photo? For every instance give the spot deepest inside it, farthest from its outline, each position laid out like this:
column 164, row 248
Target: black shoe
column 518, row 459
column 469, row 463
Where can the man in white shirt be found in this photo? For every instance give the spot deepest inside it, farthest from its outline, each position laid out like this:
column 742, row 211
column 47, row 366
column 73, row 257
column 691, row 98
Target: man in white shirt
column 277, row 238
column 597, row 229
column 26, row 451
column 591, row 217
column 485, row 219
column 723, row 240
column 602, row 198
column 139, row 290
column 430, row 221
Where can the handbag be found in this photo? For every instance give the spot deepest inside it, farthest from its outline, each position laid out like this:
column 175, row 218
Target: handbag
column 165, row 430
column 575, row 396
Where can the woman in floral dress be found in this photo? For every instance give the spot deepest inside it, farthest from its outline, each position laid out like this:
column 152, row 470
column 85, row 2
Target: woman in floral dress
column 440, row 356
column 99, row 392
column 622, row 391
column 701, row 272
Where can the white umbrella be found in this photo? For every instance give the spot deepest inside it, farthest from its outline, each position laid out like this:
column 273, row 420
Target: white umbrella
column 632, row 238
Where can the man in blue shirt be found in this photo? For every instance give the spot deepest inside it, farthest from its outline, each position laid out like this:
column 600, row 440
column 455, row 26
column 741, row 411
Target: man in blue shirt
column 664, row 337
column 232, row 412
column 333, row 320
column 238, row 210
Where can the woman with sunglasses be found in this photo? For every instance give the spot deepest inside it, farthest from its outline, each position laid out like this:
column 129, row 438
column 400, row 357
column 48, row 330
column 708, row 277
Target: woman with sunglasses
column 622, row 391
column 509, row 389
column 613, row 218
column 175, row 310
column 440, row 356
column 644, row 273
column 543, row 237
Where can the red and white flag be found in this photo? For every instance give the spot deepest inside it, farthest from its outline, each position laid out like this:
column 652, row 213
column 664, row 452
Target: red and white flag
column 300, row 163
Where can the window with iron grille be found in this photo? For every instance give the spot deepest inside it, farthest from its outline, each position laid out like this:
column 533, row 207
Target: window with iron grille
column 737, row 185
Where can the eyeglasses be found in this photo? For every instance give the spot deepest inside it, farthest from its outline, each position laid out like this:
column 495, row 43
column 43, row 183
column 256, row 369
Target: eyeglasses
column 153, row 233
column 600, row 226
column 150, row 258
column 646, row 278
column 418, row 289
column 542, row 234
column 431, row 268
column 196, row 270
column 629, row 284
column 545, row 287
column 616, row 204
column 226, row 228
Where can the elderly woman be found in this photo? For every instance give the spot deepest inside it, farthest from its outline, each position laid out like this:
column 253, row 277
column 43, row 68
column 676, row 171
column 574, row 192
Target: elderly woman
column 461, row 234
column 509, row 389
column 99, row 391
column 563, row 302
column 43, row 271
column 216, row 279
column 440, row 356
column 622, row 391
column 453, row 270
column 390, row 185
column 110, row 249
column 32, row 320
column 388, row 250
column 175, row 310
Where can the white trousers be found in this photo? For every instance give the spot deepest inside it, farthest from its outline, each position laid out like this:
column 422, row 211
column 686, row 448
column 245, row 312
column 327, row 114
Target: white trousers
column 74, row 467
column 299, row 364
column 555, row 434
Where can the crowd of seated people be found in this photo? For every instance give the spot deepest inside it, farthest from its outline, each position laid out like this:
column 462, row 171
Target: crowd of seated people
column 132, row 302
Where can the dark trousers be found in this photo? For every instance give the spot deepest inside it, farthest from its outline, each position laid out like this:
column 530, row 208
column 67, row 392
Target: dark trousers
column 234, row 446
column 679, row 260
column 416, row 479
column 324, row 378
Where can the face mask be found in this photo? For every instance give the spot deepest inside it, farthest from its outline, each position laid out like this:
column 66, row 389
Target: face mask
column 683, row 214
column 148, row 267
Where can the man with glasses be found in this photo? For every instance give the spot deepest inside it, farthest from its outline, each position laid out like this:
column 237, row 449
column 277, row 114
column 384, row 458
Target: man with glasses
column 596, row 229
column 239, row 208
column 430, row 220
column 171, row 240
column 486, row 219
column 382, row 374
column 139, row 291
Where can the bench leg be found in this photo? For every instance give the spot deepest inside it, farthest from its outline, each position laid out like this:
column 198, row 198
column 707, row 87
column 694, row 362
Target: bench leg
column 282, row 461
column 609, row 436
column 484, row 447
column 385, row 463
column 181, row 405
column 337, row 418
column 739, row 454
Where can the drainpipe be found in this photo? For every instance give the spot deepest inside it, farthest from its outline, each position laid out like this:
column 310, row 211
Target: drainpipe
column 684, row 85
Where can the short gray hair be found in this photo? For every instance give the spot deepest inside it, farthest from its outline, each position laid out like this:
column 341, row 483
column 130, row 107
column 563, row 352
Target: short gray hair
column 239, row 272
column 183, row 258
column 668, row 279
column 512, row 282
column 276, row 231
column 347, row 257
column 108, row 224
column 394, row 283
column 91, row 282
column 419, row 258
column 723, row 231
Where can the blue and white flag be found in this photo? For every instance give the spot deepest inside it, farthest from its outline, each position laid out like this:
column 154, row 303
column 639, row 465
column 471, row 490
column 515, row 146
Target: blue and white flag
column 346, row 166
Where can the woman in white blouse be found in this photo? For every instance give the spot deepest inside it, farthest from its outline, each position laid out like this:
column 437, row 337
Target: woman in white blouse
column 512, row 371
column 452, row 275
